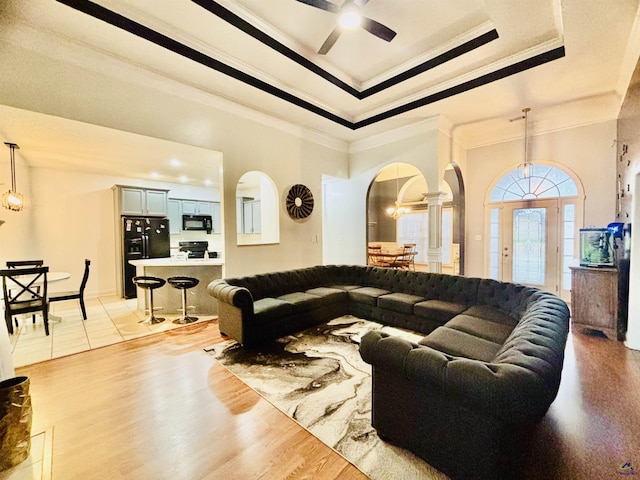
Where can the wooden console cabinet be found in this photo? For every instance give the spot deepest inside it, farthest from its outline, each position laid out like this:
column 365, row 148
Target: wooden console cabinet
column 594, row 299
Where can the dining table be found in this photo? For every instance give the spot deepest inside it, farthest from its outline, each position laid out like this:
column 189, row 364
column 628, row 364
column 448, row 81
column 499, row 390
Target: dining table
column 391, row 259
column 53, row 277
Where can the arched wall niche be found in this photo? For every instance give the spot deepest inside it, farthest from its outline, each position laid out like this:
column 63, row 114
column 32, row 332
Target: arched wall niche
column 257, row 212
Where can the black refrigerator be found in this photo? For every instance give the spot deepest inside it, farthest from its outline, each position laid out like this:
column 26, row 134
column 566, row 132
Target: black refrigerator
column 143, row 237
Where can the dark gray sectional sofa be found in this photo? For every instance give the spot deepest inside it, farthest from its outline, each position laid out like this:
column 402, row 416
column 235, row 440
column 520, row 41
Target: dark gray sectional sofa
column 487, row 369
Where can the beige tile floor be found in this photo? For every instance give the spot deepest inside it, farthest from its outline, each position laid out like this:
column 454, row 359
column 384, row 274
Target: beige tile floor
column 110, row 320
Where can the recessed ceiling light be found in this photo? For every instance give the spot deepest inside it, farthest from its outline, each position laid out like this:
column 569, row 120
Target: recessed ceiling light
column 155, row 174
column 208, row 182
column 175, row 162
column 183, row 178
column 350, row 20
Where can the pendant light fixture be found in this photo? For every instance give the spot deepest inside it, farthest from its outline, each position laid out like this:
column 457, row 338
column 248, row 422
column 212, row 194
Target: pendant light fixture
column 526, row 166
column 12, row 200
column 397, row 211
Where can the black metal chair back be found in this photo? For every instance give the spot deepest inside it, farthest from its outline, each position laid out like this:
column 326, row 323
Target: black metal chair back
column 22, row 264
column 75, row 294
column 25, row 291
column 25, row 263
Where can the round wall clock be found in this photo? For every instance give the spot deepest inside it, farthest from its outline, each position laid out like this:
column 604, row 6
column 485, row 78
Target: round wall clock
column 299, row 202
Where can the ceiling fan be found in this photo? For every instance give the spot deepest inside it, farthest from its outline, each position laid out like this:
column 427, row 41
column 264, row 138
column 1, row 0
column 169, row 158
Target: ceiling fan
column 349, row 18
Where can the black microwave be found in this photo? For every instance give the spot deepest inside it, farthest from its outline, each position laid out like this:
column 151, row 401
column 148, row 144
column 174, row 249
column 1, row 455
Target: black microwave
column 197, row 222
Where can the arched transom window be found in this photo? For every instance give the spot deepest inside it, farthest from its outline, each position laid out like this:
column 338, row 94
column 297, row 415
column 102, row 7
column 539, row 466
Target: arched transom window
column 543, row 181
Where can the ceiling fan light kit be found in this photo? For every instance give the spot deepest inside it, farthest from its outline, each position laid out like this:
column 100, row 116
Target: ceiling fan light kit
column 349, row 18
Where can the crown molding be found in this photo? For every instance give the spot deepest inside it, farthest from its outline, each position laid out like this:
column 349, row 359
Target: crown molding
column 422, row 127
column 455, row 42
column 486, row 70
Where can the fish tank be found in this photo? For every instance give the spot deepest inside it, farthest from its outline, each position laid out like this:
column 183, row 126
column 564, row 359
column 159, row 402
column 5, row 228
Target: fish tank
column 596, row 247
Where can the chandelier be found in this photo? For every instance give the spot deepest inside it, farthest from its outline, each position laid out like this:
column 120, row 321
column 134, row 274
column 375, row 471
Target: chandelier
column 12, row 200
column 397, row 211
column 526, row 167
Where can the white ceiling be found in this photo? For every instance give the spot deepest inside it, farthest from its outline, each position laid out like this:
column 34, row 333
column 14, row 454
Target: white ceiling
column 597, row 44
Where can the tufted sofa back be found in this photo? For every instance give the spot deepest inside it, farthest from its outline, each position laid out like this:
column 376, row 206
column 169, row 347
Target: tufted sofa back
column 449, row 288
column 274, row 284
column 510, row 298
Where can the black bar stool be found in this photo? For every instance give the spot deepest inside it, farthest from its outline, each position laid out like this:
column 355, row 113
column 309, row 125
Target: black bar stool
column 183, row 283
column 150, row 284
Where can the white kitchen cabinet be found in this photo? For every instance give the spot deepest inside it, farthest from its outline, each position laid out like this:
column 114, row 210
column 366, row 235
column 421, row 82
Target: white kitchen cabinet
column 175, row 215
column 194, row 207
column 179, row 207
column 216, row 217
column 251, row 216
column 156, row 201
column 142, row 201
column 239, row 225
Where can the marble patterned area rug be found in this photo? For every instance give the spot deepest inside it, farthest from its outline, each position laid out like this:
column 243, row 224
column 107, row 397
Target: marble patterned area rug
column 318, row 378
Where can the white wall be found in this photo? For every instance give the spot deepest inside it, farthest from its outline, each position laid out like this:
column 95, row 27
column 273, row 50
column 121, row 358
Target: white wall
column 17, row 233
column 584, row 150
column 633, row 332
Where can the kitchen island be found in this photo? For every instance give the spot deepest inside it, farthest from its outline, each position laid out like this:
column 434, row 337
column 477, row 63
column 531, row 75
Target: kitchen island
column 204, row 269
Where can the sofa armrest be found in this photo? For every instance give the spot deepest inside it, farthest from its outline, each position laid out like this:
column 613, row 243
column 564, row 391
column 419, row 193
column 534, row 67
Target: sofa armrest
column 509, row 392
column 237, row 296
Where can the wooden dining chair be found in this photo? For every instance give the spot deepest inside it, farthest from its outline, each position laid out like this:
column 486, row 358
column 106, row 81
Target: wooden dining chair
column 75, row 294
column 25, row 291
column 22, row 264
column 372, row 252
column 406, row 258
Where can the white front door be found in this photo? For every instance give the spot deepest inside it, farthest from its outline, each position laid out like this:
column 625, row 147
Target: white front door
column 530, row 253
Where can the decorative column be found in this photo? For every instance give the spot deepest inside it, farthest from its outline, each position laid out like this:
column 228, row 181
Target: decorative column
column 435, row 230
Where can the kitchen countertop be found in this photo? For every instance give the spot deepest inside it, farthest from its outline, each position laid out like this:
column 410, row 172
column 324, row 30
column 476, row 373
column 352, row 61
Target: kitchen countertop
column 175, row 262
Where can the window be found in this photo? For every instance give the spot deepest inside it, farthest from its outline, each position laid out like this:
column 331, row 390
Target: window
column 545, row 181
column 568, row 242
column 414, row 228
column 494, row 248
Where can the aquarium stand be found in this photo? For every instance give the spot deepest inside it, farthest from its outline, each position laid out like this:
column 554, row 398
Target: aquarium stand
column 594, row 299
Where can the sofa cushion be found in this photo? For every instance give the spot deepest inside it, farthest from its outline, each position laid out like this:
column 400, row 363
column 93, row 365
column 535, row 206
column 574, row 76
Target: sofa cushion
column 346, row 288
column 461, row 344
column 302, row 301
column 367, row 295
column 487, row 312
column 399, row 302
column 267, row 309
column 479, row 327
column 438, row 310
column 329, row 295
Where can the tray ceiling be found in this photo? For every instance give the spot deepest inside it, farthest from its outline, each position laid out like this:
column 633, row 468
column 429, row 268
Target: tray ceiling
column 473, row 61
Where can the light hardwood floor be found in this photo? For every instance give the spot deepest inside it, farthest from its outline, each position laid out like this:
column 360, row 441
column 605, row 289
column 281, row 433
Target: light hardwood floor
column 159, row 408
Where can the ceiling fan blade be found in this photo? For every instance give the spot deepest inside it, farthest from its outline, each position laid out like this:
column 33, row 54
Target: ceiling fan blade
column 322, row 5
column 377, row 29
column 331, row 39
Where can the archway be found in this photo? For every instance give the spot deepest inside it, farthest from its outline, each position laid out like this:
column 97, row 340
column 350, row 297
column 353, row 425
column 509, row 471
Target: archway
column 404, row 186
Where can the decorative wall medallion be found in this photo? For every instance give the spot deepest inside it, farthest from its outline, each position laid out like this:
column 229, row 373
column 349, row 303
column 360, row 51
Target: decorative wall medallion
column 299, row 202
